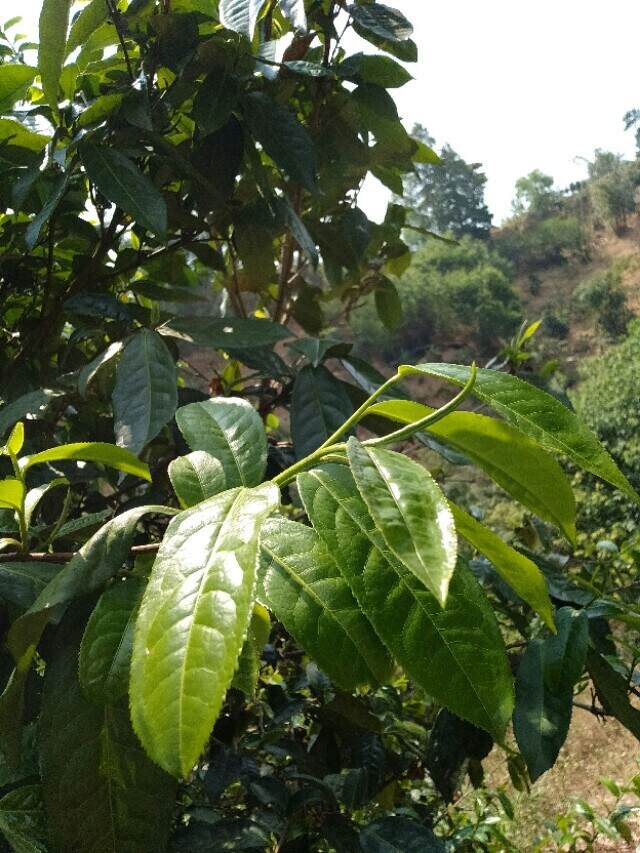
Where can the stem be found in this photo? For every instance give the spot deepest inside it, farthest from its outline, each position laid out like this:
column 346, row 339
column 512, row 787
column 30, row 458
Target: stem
column 360, row 412
column 66, row 506
column 22, row 519
column 329, row 448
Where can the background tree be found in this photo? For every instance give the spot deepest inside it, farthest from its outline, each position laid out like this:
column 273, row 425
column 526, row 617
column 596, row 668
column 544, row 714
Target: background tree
column 535, row 195
column 447, row 198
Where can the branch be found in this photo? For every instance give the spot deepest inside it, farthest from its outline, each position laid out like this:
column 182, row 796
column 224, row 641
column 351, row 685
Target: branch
column 63, row 556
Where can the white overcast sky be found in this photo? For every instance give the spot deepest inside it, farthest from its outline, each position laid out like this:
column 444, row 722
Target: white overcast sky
column 516, row 85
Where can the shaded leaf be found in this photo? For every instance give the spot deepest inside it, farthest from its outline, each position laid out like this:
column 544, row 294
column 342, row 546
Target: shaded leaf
column 22, row 582
column 612, row 691
column 14, row 82
column 399, row 835
column 85, row 24
column 145, row 395
column 22, row 819
column 225, row 332
column 319, row 406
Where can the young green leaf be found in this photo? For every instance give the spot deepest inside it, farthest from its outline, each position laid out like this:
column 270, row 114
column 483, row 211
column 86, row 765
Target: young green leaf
column 145, row 395
column 122, row 182
column 521, row 573
column 302, row 584
column 514, row 461
column 230, row 429
column 101, row 791
column 410, row 511
column 196, row 477
column 90, row 451
column 535, row 413
column 456, row 653
column 14, row 82
column 544, row 690
column 319, row 406
column 16, row 440
column 193, row 621
column 86, row 23
column 105, row 650
column 11, row 493
column 53, row 25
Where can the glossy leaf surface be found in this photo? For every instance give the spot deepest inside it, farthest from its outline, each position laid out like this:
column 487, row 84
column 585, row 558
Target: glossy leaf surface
column 536, row 414
column 91, row 451
column 456, row 653
column 303, row 586
column 193, row 621
column 229, row 429
column 410, row 512
column 196, row 477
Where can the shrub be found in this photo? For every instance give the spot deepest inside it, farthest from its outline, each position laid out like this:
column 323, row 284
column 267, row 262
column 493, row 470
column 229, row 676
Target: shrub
column 603, row 297
column 534, row 244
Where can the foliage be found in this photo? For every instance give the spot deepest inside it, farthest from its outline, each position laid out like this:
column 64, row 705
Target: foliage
column 602, row 297
column 169, row 188
column 613, row 187
column 447, row 197
column 448, row 291
column 535, row 195
column 532, row 244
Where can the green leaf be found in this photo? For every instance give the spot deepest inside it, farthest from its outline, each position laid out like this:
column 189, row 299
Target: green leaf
column 612, row 691
column 521, row 573
column 91, row 451
column 22, row 582
column 374, row 68
column 14, row 133
column 294, row 11
column 101, row 791
column 215, row 100
column 410, row 512
column 399, row 835
column 283, row 138
column 16, row 440
column 231, row 430
column 537, row 414
column 22, row 819
column 35, row 495
column 53, row 25
column 319, row 406
column 14, row 82
column 196, row 477
column 86, row 23
column 193, row 622
column 122, row 182
column 48, row 209
column 99, row 109
column 544, row 690
column 388, row 304
column 11, row 493
column 456, row 653
column 241, row 16
column 514, row 461
column 302, row 585
column 226, row 333
column 145, row 395
column 381, row 21
column 105, row 650
column 90, row 371
column 316, row 350
column 246, row 675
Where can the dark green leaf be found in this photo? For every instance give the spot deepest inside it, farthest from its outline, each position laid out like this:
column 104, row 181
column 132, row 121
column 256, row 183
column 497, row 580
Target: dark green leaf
column 196, row 477
column 382, row 21
column 193, row 622
column 89, row 371
column 388, row 304
column 319, row 406
column 215, row 100
column 303, row 586
column 22, row 819
column 283, row 138
column 537, row 414
column 612, row 691
column 33, row 403
column 145, row 394
column 48, row 208
column 399, row 835
column 456, row 654
column 122, row 182
column 105, row 651
column 231, row 430
column 319, row 349
column 410, row 512
column 101, row 791
column 22, row 583
column 371, row 68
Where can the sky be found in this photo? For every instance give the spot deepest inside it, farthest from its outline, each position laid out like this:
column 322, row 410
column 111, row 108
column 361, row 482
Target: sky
column 516, row 86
